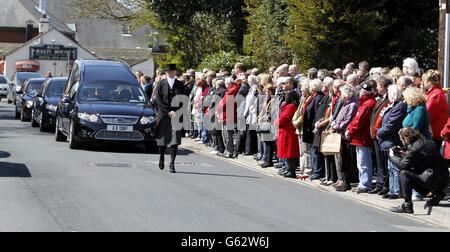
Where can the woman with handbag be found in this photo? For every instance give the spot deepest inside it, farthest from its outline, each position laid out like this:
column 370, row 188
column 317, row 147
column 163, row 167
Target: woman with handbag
column 344, row 118
column 265, row 129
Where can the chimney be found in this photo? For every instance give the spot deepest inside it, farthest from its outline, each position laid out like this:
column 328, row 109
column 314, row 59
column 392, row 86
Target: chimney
column 43, row 6
column 44, row 24
column 29, row 30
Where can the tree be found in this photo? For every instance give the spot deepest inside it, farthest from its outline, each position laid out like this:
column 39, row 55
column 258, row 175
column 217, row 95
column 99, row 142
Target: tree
column 330, row 33
column 266, row 38
column 194, row 29
column 412, row 31
column 123, row 10
column 226, row 60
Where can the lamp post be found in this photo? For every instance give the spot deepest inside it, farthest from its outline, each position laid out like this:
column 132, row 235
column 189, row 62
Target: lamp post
column 68, row 58
column 54, row 68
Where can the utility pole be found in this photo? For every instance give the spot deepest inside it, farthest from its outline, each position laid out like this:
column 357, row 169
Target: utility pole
column 447, row 45
column 441, row 53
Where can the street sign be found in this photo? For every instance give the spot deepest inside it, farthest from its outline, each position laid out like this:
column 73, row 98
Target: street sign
column 53, row 52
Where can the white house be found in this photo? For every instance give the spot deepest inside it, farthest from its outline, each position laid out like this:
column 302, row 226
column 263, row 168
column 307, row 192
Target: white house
column 50, row 50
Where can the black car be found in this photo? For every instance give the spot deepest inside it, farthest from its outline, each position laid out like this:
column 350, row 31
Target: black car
column 103, row 102
column 46, row 103
column 25, row 98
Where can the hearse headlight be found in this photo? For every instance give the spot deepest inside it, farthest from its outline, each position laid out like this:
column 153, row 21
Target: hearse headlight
column 29, row 104
column 51, row 108
column 147, row 120
column 89, row 117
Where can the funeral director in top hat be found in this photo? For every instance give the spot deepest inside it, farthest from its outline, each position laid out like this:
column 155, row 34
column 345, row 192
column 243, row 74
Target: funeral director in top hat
column 166, row 135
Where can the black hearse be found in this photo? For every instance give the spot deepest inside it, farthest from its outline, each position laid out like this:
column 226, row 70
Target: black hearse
column 25, row 98
column 46, row 103
column 103, row 101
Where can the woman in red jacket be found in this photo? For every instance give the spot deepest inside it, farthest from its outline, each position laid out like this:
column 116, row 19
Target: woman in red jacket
column 227, row 110
column 445, row 134
column 287, row 144
column 359, row 134
column 437, row 104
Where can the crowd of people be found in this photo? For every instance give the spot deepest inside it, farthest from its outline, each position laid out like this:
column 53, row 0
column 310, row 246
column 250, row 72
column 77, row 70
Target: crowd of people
column 394, row 124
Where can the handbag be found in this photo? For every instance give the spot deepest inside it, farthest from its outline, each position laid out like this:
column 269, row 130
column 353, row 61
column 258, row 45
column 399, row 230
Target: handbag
column 330, row 143
column 264, row 128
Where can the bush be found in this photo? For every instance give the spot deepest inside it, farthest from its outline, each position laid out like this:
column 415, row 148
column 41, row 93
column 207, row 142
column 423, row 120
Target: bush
column 225, row 60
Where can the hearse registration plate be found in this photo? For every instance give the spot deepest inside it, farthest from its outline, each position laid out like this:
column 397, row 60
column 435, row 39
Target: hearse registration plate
column 119, row 128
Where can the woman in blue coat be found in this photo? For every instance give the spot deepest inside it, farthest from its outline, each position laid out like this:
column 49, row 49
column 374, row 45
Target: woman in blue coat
column 392, row 117
column 418, row 117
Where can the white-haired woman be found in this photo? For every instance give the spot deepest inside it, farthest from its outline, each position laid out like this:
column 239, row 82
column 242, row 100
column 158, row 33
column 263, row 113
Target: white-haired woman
column 305, row 148
column 339, row 125
column 309, row 118
column 390, row 122
column 251, row 116
column 411, row 69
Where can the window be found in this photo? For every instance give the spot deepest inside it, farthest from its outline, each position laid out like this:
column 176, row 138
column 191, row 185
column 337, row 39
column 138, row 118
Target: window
column 126, row 31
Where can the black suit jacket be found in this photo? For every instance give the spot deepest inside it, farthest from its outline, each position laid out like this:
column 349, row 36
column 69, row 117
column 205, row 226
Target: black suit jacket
column 164, row 97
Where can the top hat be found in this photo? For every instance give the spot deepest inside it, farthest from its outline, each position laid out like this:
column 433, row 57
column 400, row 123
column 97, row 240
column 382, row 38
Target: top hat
column 170, row 67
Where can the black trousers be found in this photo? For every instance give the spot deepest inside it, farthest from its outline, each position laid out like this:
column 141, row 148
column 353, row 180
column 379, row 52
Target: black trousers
column 220, row 146
column 251, row 141
column 292, row 164
column 410, row 181
column 349, row 167
column 269, row 151
column 230, row 140
column 381, row 157
column 240, row 141
column 330, row 166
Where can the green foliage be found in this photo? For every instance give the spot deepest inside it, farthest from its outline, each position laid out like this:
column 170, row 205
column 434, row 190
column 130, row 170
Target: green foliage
column 330, row 33
column 266, row 38
column 194, row 29
column 412, row 31
column 226, row 60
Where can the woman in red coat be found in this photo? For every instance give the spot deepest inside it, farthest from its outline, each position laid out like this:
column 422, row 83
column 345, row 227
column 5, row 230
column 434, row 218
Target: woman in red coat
column 436, row 104
column 445, row 134
column 287, row 144
column 359, row 134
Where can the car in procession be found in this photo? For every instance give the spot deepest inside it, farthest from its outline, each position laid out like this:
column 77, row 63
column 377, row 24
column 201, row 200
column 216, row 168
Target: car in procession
column 25, row 98
column 46, row 102
column 3, row 86
column 103, row 102
column 18, row 80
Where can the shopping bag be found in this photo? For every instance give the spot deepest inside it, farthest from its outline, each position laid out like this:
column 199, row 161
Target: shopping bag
column 330, row 143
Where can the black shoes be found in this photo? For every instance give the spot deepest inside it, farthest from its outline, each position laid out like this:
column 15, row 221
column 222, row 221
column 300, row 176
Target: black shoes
column 406, row 207
column 375, row 191
column 390, row 196
column 265, row 165
column 161, row 163
column 435, row 199
column 290, row 175
column 172, row 169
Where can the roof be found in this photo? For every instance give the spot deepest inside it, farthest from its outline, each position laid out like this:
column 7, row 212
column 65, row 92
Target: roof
column 102, row 63
column 131, row 56
column 5, row 48
column 43, row 34
column 31, row 5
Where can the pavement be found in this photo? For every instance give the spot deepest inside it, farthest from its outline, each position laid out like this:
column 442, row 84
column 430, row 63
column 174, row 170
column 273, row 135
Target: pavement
column 439, row 215
column 45, row 186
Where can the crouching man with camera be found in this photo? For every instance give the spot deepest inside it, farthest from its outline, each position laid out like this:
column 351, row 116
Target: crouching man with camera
column 422, row 168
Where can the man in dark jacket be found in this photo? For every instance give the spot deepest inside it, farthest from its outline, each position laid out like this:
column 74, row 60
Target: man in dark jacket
column 382, row 185
column 167, row 136
column 422, row 169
